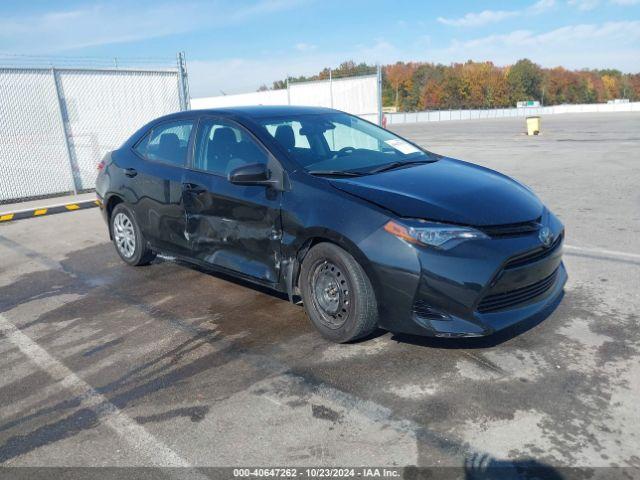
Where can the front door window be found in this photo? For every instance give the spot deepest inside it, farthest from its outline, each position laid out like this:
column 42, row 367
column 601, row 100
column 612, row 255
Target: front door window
column 221, row 147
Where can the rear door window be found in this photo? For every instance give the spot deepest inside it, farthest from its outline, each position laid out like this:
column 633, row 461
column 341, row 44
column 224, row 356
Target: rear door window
column 167, row 143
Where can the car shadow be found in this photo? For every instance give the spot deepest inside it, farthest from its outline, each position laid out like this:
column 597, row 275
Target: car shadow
column 228, row 278
column 424, row 341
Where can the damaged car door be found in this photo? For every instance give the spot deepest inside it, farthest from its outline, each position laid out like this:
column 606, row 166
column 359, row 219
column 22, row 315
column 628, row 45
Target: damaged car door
column 229, row 225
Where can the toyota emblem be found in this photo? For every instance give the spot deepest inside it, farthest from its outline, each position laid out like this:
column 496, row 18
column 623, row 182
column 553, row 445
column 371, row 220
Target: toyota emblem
column 545, row 237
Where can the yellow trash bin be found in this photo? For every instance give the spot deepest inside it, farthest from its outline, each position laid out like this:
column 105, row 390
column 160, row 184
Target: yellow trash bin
column 533, row 125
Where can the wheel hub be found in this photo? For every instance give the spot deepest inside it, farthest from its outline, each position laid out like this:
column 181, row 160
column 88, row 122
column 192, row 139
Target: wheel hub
column 124, row 235
column 331, row 293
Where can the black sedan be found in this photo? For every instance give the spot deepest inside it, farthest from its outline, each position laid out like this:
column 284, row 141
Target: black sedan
column 369, row 229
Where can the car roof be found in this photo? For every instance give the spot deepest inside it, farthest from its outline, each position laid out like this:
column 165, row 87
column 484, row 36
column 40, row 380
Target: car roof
column 256, row 111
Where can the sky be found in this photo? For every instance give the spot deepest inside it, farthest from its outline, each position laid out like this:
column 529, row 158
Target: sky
column 236, row 46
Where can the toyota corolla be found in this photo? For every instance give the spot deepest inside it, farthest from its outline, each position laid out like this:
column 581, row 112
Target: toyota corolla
column 368, row 229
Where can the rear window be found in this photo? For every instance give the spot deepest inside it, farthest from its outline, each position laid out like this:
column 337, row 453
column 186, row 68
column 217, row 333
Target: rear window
column 167, row 143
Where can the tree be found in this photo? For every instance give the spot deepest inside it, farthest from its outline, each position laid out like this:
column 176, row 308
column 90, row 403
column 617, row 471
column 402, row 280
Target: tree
column 432, row 95
column 398, row 75
column 421, row 85
column 524, row 79
column 611, row 86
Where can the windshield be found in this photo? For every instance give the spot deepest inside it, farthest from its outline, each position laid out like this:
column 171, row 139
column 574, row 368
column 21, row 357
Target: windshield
column 335, row 143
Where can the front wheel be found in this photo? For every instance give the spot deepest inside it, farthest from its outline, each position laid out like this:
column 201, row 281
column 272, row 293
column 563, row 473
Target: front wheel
column 127, row 237
column 337, row 294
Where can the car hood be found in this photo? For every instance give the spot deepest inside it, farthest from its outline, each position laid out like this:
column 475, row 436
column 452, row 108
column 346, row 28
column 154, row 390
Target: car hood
column 447, row 190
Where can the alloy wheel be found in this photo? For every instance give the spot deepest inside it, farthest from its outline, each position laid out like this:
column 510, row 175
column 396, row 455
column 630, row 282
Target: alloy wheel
column 124, row 234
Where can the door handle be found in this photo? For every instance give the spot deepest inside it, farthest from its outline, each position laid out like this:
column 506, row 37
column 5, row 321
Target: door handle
column 193, row 188
column 130, row 172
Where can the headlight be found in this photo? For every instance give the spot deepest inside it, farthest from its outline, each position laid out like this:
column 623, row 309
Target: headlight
column 433, row 234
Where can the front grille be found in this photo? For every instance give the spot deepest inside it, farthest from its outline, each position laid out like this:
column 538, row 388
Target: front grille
column 534, row 255
column 512, row 229
column 500, row 301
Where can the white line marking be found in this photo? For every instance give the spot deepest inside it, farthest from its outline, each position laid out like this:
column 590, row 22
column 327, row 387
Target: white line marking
column 273, row 400
column 133, row 433
column 611, row 253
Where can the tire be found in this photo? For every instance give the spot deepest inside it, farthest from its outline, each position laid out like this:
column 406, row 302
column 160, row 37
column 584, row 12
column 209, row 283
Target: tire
column 127, row 237
column 337, row 294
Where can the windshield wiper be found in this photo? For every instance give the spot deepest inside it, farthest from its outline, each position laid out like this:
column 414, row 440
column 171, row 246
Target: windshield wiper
column 335, row 173
column 393, row 165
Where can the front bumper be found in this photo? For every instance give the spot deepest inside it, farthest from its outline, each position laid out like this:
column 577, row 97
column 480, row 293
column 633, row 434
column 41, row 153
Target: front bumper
column 475, row 289
column 483, row 324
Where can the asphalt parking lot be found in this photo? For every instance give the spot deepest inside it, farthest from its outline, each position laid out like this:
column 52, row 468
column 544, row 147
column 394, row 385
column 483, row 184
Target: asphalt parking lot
column 105, row 364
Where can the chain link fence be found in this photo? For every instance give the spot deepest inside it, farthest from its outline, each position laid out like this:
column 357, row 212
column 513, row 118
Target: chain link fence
column 34, row 159
column 57, row 123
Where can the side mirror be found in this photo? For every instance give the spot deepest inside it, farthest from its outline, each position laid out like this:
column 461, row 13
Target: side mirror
column 254, row 174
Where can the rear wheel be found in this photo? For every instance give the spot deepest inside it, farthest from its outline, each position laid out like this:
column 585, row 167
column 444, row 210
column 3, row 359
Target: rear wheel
column 127, row 237
column 337, row 294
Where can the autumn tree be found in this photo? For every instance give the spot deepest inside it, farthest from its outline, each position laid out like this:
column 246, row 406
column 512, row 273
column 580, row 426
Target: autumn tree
column 611, row 87
column 432, row 95
column 420, row 85
column 399, row 76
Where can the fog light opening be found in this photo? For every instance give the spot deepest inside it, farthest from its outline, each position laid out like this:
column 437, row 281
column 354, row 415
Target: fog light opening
column 425, row 313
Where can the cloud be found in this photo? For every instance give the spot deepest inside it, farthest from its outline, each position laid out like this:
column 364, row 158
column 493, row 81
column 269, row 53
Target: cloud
column 304, row 47
column 477, row 19
column 610, row 44
column 584, row 5
column 588, row 5
column 541, row 6
column 494, row 16
column 120, row 21
column 604, row 45
column 240, row 75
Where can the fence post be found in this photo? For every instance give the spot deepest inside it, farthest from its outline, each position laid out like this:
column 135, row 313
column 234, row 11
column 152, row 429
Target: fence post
column 330, row 88
column 288, row 92
column 183, row 83
column 63, row 121
column 379, row 78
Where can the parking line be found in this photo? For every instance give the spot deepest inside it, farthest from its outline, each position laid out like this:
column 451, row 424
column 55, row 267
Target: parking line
column 132, row 432
column 599, row 251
